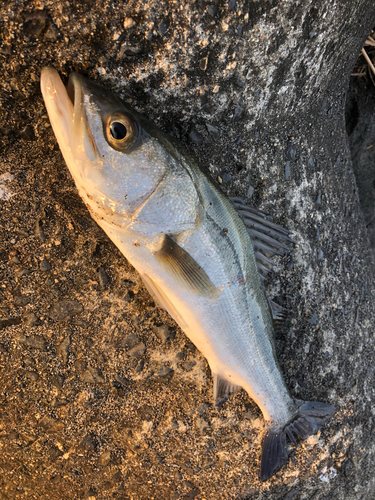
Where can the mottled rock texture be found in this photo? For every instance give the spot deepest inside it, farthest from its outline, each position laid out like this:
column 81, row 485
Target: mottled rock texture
column 96, row 400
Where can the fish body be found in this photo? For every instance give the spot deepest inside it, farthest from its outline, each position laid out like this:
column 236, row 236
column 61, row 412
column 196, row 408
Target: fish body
column 189, row 244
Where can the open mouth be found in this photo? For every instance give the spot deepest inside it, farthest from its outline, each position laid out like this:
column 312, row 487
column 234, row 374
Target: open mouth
column 67, row 115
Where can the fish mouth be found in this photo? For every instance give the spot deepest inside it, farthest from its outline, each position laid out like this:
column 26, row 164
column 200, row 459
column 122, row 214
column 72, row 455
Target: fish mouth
column 65, row 107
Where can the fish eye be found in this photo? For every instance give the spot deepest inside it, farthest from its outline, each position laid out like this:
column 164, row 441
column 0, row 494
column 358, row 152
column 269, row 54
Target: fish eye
column 122, row 131
column 118, row 131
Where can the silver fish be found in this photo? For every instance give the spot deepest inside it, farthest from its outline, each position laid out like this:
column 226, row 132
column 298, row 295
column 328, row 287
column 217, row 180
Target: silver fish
column 197, row 256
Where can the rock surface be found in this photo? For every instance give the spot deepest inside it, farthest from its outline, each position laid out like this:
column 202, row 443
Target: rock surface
column 256, row 91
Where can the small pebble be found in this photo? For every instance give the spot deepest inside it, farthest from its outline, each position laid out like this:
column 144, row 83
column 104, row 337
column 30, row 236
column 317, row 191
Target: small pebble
column 103, row 277
column 45, row 266
column 57, row 381
column 137, row 351
column 129, row 22
column 33, row 376
column 250, row 192
column 30, row 319
column 22, row 300
column 163, row 26
column 164, row 371
column 130, row 341
column 38, row 231
column 163, row 332
column 63, row 349
column 65, row 310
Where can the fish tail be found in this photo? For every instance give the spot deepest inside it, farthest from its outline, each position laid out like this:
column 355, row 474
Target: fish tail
column 309, row 419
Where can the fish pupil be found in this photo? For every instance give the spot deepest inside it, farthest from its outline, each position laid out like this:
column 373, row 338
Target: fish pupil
column 118, row 130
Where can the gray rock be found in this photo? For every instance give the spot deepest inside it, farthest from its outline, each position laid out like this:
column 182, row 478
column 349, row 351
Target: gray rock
column 65, row 310
column 164, row 26
column 213, row 131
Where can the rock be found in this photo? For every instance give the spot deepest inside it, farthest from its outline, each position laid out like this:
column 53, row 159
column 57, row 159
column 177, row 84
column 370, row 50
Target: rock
column 164, row 371
column 9, row 322
column 104, row 458
column 63, row 349
column 291, row 495
column 129, row 22
column 50, row 424
column 162, row 332
column 195, row 136
column 87, row 377
column 33, row 341
column 103, row 277
column 65, row 310
column 163, row 26
column 191, row 494
column 27, row 133
column 45, row 266
column 35, row 24
column 33, row 376
column 130, row 341
column 202, row 408
column 30, row 319
column 57, row 381
column 52, row 33
column 250, row 192
column 188, row 365
column 89, row 443
column 22, row 300
column 137, row 351
column 203, row 63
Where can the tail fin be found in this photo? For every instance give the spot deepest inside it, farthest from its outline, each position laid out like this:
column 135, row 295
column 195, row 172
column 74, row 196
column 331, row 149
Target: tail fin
column 309, row 419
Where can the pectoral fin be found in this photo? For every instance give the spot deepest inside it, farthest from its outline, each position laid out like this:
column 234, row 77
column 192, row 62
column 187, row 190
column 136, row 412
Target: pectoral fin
column 185, row 269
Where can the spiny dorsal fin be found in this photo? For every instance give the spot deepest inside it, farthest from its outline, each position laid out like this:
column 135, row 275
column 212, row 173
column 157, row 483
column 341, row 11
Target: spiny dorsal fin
column 185, row 269
column 222, row 389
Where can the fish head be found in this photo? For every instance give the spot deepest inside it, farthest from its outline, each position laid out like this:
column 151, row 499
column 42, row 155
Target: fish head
column 114, row 154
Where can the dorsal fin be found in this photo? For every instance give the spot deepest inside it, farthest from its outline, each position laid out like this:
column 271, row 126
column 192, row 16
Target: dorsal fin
column 185, row 269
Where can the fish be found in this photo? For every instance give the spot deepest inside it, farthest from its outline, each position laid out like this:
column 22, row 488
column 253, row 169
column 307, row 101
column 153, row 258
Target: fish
column 201, row 255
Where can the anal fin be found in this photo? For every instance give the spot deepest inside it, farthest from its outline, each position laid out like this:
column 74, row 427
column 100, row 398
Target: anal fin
column 222, row 389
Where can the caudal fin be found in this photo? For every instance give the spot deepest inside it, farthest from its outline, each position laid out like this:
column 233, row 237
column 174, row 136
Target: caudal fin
column 309, row 419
